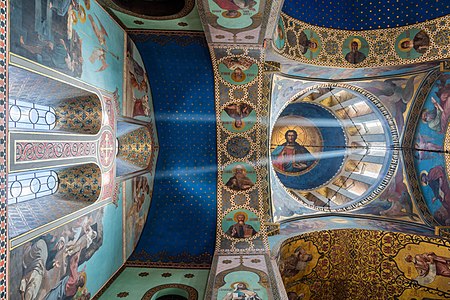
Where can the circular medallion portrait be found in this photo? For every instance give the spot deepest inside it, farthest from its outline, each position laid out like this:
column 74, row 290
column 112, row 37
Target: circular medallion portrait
column 412, row 43
column 304, row 146
column 238, row 70
column 240, row 223
column 239, row 176
column 355, row 49
column 309, row 44
column 279, row 35
column 238, row 117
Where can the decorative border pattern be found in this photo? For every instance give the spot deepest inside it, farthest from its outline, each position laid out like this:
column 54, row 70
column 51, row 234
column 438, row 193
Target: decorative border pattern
column 381, row 44
column 3, row 147
column 252, row 199
column 29, row 151
column 182, row 39
column 408, row 142
column 192, row 292
column 187, row 8
column 143, row 259
column 386, row 249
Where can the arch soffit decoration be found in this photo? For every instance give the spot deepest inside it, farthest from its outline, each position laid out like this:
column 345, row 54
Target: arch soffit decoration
column 192, row 292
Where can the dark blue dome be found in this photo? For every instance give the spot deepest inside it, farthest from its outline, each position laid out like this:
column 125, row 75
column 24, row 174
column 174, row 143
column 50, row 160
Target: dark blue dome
column 365, row 14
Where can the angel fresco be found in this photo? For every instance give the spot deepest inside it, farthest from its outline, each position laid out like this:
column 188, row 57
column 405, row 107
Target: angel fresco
column 433, row 117
column 425, row 148
column 395, row 95
column 436, row 179
column 101, row 50
column 443, row 94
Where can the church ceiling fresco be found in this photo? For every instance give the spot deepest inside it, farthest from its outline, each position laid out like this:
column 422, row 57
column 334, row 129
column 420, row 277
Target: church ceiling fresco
column 137, row 194
column 430, row 157
column 241, row 275
column 324, row 222
column 79, row 40
column 243, row 185
column 135, row 282
column 407, row 98
column 320, row 142
column 424, row 42
column 180, row 73
column 365, row 14
column 360, row 264
column 73, row 62
column 73, row 260
column 235, row 22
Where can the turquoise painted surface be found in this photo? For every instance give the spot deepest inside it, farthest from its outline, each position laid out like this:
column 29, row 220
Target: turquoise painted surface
column 419, row 40
column 234, row 14
column 228, row 171
column 251, row 219
column 250, row 279
column 138, row 98
column 279, row 37
column 76, row 38
column 136, row 281
column 138, row 196
column 229, row 73
column 108, row 258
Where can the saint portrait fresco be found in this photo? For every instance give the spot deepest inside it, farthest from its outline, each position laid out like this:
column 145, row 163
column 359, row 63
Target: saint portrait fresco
column 355, row 49
column 309, row 44
column 429, row 158
column 243, row 285
column 279, row 35
column 238, row 117
column 234, row 14
column 138, row 95
column 291, row 157
column 412, row 43
column 76, row 38
column 138, row 196
column 425, row 263
column 299, row 145
column 239, row 176
column 238, row 70
column 241, row 224
column 240, row 292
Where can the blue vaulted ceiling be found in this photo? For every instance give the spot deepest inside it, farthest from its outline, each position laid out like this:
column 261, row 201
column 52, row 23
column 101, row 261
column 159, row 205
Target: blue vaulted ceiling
column 365, row 14
column 181, row 223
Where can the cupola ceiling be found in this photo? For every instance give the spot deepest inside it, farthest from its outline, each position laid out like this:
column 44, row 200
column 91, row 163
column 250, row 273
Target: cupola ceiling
column 365, row 14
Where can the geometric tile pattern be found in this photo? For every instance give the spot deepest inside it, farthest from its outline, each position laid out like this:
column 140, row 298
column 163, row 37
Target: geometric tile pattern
column 28, row 215
column 3, row 84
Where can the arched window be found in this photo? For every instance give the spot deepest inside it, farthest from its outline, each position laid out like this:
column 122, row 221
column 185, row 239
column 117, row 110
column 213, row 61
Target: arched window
column 28, row 186
column 26, row 115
